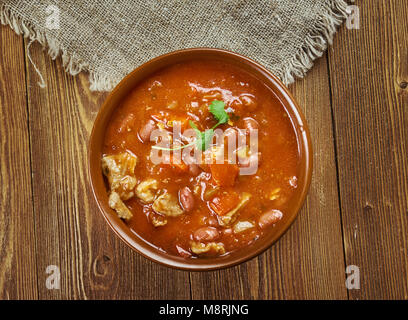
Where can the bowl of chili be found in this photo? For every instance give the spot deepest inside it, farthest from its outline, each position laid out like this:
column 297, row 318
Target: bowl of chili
column 200, row 159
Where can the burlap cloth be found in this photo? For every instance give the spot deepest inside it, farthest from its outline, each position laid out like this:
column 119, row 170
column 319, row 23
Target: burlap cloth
column 110, row 38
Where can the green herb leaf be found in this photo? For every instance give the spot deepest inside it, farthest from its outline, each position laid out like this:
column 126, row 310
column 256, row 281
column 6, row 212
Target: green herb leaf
column 193, row 125
column 203, row 138
column 207, row 136
column 218, row 111
column 199, row 135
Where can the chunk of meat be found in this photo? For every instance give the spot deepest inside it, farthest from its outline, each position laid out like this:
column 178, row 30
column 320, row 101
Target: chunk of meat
column 126, row 187
column 120, row 170
column 117, row 204
column 167, row 204
column 146, row 190
column 230, row 217
column 213, row 248
column 120, row 164
column 157, row 220
column 224, row 175
column 241, row 226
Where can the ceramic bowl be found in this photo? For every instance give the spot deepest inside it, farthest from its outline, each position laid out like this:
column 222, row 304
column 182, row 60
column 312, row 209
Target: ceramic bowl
column 124, row 88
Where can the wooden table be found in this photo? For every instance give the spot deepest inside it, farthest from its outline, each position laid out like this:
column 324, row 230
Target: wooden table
column 355, row 100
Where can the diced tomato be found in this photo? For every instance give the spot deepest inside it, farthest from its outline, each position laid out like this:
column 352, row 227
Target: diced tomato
column 224, row 175
column 225, row 202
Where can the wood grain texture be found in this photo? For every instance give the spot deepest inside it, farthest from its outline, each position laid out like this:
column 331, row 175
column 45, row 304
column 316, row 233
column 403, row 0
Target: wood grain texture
column 70, row 231
column 18, row 273
column 308, row 262
column 355, row 100
column 369, row 75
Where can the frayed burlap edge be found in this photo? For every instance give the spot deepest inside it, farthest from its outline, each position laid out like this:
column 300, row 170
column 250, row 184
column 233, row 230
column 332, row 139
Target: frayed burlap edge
column 72, row 64
column 314, row 46
column 315, row 43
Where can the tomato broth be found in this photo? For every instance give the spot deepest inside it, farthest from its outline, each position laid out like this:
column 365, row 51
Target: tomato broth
column 200, row 210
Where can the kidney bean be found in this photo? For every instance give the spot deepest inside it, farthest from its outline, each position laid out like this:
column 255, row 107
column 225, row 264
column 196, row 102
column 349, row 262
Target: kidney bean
column 146, row 131
column 206, row 234
column 270, row 217
column 186, row 199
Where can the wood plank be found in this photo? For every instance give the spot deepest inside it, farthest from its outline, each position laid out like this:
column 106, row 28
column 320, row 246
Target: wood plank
column 308, row 262
column 369, row 76
column 18, row 276
column 70, row 231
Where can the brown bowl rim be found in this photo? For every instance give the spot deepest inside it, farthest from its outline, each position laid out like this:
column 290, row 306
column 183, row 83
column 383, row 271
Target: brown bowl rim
column 146, row 249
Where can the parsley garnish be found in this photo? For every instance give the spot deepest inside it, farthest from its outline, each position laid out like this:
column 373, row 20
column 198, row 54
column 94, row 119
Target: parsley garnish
column 218, row 111
column 217, row 108
column 203, row 138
